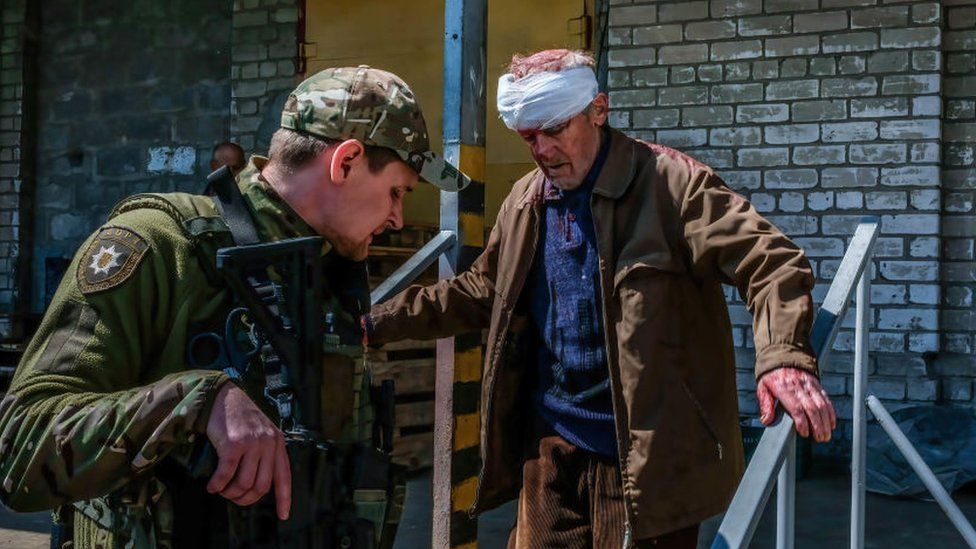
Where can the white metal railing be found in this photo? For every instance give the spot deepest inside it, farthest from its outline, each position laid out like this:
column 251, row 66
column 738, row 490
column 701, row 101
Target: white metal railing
column 778, row 441
column 413, row 267
column 775, row 454
column 922, row 470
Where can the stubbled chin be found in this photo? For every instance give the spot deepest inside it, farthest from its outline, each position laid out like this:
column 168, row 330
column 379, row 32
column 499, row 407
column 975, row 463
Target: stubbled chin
column 565, row 183
column 562, row 178
column 355, row 252
column 360, row 252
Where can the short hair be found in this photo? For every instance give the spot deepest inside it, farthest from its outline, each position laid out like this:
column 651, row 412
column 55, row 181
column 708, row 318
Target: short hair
column 549, row 61
column 293, row 149
column 228, row 144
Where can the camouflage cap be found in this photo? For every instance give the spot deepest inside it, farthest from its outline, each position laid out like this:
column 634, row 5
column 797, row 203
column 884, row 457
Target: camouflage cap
column 375, row 107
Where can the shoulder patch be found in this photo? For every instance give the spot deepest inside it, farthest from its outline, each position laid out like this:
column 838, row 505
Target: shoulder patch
column 110, row 259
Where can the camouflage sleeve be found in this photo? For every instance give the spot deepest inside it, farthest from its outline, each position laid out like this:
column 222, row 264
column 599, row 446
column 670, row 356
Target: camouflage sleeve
column 89, row 407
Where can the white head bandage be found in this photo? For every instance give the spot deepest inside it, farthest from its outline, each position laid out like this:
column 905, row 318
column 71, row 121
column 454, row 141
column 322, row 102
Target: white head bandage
column 545, row 99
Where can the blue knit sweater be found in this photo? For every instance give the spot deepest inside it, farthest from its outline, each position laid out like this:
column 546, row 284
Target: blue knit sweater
column 573, row 389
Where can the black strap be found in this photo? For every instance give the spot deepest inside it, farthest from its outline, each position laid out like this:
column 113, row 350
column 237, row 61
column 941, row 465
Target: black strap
column 232, row 207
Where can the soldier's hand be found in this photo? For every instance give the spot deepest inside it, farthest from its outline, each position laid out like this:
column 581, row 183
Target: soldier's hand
column 250, row 450
column 803, row 398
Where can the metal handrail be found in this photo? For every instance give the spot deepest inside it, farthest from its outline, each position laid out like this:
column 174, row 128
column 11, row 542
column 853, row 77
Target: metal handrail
column 859, row 436
column 750, row 499
column 413, row 267
column 862, row 403
column 922, row 470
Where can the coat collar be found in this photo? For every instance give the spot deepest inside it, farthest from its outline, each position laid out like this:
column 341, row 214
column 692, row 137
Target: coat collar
column 618, row 171
column 614, row 179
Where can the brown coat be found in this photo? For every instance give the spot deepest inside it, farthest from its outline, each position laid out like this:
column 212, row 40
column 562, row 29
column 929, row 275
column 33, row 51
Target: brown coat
column 669, row 234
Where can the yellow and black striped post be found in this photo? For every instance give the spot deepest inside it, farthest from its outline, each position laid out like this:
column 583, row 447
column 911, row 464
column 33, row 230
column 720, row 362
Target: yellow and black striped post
column 459, row 359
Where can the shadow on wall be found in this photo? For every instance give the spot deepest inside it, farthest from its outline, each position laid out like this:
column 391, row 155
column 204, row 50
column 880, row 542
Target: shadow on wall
column 271, row 122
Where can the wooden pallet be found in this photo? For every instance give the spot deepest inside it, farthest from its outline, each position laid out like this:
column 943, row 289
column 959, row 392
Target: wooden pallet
column 391, row 249
column 411, row 366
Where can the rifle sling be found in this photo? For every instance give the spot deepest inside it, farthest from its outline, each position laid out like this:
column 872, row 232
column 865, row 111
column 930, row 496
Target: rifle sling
column 230, row 203
column 233, row 208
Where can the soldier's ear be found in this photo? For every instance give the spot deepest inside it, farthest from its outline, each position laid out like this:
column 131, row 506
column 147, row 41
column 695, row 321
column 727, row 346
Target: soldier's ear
column 346, row 157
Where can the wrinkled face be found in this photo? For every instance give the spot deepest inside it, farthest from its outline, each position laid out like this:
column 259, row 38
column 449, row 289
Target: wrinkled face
column 566, row 152
column 371, row 203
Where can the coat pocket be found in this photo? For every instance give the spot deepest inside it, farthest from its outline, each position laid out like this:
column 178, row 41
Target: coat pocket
column 706, row 422
column 653, row 343
column 647, row 305
column 667, row 421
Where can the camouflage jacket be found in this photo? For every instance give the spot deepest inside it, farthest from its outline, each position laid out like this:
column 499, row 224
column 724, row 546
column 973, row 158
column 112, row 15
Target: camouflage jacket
column 103, row 391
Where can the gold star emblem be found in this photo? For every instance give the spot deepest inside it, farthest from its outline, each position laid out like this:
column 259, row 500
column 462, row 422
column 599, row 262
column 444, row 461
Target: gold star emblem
column 104, row 260
column 110, row 259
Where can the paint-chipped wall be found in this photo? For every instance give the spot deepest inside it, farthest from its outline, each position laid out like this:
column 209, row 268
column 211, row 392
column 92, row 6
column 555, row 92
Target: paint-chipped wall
column 132, row 97
column 17, row 70
column 957, row 315
column 822, row 111
column 265, row 68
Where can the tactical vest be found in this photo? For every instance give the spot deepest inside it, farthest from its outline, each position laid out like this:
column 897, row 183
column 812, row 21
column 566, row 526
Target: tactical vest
column 140, row 514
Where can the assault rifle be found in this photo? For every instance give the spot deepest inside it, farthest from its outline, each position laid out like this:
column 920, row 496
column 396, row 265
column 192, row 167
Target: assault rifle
column 279, row 286
column 275, row 343
column 286, row 317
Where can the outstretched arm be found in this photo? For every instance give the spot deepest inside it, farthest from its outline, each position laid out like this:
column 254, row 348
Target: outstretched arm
column 728, row 238
column 452, row 306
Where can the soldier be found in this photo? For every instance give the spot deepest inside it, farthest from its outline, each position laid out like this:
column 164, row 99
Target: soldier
column 104, row 393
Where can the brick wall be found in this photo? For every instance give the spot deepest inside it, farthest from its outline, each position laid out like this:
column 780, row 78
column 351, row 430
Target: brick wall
column 822, row 111
column 819, row 110
column 959, row 219
column 264, row 69
column 132, row 97
column 17, row 45
column 132, row 100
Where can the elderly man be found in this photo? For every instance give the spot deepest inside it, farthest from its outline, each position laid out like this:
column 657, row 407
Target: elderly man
column 610, row 375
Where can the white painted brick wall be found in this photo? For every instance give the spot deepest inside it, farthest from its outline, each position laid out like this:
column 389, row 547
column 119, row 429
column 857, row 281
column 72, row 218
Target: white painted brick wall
column 822, row 111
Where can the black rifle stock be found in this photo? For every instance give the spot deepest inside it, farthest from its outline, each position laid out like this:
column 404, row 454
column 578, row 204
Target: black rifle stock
column 280, row 284
column 285, row 287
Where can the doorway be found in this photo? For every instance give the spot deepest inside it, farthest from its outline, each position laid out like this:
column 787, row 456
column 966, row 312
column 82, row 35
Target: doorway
column 406, row 37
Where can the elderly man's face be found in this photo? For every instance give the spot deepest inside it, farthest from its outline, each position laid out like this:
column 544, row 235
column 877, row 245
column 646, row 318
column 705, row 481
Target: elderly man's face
column 566, row 152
